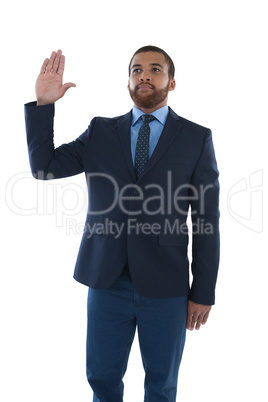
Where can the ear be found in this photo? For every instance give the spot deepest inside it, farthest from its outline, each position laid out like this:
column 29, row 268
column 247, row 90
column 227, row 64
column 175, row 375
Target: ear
column 172, row 84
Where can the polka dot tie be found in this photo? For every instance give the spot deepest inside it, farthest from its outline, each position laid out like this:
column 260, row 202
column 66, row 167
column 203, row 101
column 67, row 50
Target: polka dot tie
column 142, row 147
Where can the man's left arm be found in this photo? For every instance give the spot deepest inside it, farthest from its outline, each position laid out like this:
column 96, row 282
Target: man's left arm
column 206, row 239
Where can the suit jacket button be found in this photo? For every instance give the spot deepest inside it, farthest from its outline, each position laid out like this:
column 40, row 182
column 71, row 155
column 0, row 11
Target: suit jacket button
column 135, row 192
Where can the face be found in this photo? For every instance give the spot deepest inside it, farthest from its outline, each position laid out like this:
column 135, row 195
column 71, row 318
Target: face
column 149, row 82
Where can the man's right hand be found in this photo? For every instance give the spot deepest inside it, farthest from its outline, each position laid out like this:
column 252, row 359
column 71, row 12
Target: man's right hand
column 48, row 85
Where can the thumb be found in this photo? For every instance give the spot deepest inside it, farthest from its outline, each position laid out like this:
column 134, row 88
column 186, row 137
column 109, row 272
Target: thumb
column 67, row 86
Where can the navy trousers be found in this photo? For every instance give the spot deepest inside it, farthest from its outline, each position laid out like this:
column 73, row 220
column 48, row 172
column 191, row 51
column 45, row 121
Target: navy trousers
column 113, row 316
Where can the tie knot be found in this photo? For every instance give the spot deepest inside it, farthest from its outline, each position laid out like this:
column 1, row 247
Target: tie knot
column 147, row 118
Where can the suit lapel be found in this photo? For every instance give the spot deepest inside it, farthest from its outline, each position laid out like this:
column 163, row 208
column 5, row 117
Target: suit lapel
column 123, row 124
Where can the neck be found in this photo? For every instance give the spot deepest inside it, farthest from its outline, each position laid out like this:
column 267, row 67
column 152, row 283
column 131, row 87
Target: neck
column 151, row 110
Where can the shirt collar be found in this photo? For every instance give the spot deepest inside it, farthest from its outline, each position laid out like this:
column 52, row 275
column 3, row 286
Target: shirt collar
column 159, row 114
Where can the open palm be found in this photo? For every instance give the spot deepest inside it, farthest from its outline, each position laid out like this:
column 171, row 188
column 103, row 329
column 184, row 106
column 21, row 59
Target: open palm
column 49, row 86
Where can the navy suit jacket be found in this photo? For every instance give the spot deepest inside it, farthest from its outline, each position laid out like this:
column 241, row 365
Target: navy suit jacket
column 180, row 176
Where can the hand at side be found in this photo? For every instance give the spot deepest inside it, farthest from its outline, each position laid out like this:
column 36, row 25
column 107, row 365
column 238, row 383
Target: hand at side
column 197, row 315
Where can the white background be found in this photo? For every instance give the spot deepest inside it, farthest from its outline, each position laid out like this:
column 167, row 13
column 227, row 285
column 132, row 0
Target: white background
column 219, row 49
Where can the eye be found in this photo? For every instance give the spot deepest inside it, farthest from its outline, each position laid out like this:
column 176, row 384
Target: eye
column 156, row 69
column 136, row 70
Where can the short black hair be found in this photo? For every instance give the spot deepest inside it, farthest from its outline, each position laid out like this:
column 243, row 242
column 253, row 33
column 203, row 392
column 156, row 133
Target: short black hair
column 149, row 48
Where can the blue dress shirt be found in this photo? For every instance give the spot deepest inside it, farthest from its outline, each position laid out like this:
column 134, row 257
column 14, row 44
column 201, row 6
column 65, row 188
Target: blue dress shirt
column 156, row 128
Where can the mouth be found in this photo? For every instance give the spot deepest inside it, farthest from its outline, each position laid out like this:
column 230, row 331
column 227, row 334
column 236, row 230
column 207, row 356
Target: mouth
column 145, row 86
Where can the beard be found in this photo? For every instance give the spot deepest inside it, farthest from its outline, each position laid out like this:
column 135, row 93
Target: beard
column 150, row 100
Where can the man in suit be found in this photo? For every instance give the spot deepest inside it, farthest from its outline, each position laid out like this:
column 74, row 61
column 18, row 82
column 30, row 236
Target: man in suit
column 145, row 170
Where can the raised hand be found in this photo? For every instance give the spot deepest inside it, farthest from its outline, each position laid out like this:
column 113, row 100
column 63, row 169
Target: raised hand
column 48, row 85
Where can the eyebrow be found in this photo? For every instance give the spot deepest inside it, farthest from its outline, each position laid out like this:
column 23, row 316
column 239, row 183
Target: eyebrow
column 151, row 64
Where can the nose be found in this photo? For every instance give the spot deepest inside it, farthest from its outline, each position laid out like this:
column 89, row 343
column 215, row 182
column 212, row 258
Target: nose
column 145, row 76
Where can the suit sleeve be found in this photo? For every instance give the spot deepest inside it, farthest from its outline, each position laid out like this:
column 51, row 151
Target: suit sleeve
column 205, row 226
column 46, row 161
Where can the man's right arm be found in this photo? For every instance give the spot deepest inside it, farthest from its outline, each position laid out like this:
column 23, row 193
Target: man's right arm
column 46, row 161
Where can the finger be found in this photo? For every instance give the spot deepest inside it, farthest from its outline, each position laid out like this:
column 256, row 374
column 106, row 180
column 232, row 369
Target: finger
column 205, row 318
column 44, row 66
column 192, row 325
column 51, row 61
column 194, row 320
column 190, row 317
column 56, row 62
column 199, row 321
column 189, row 320
column 61, row 65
